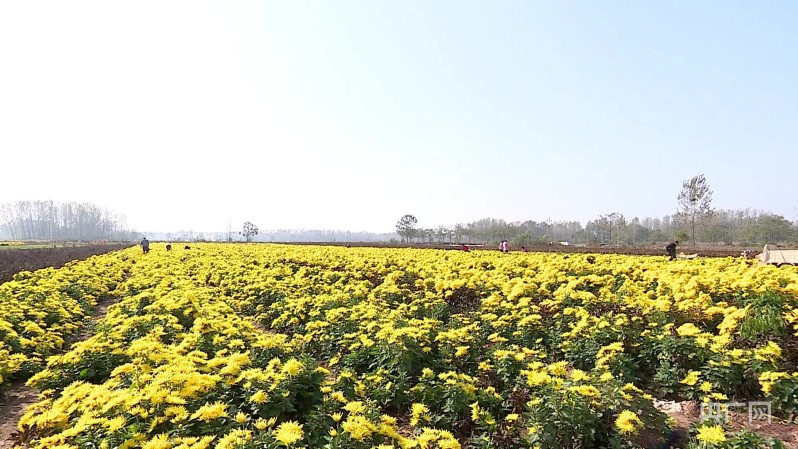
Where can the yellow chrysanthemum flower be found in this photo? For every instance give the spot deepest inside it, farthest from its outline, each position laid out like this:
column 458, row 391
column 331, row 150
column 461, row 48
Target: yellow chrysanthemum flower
column 711, row 434
column 289, row 432
column 627, row 422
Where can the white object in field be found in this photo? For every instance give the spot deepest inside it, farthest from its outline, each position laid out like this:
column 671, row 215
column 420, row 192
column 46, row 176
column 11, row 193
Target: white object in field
column 668, row 406
column 775, row 256
column 564, row 243
column 686, row 256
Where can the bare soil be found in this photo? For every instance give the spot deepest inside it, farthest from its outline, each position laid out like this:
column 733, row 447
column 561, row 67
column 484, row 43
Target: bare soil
column 12, row 261
column 14, row 400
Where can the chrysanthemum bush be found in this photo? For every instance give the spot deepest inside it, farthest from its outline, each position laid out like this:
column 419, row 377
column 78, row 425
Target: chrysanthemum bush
column 41, row 310
column 150, row 375
column 279, row 346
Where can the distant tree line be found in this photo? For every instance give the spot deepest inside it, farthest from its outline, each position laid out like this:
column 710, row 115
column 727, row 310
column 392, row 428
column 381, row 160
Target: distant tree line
column 49, row 220
column 695, row 221
column 320, row 235
column 275, row 235
column 724, row 227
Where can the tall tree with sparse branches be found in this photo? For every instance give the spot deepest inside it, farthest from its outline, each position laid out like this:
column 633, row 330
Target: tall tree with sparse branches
column 695, row 202
column 249, row 230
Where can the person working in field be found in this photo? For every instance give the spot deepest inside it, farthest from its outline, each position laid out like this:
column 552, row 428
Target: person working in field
column 671, row 248
column 145, row 245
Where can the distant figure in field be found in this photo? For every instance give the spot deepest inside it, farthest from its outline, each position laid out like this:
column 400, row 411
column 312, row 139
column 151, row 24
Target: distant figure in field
column 523, row 249
column 145, row 245
column 465, row 248
column 504, row 246
column 671, row 248
column 168, row 247
column 187, row 247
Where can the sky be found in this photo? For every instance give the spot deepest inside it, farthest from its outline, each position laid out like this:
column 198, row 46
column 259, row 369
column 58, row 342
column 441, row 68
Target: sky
column 349, row 114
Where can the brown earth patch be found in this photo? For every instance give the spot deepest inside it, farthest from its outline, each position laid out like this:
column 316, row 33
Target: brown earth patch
column 12, row 261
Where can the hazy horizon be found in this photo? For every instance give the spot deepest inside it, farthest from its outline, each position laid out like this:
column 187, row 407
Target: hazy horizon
column 347, row 115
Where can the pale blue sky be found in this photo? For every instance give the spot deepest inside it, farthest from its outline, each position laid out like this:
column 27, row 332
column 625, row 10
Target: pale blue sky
column 349, row 114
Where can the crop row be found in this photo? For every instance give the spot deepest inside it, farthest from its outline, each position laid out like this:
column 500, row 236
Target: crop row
column 41, row 309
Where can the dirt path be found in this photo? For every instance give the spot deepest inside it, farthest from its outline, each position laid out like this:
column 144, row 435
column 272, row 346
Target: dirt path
column 13, row 402
column 16, row 398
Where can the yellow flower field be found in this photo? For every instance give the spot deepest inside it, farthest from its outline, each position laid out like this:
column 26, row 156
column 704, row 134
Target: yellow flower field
column 40, row 310
column 251, row 346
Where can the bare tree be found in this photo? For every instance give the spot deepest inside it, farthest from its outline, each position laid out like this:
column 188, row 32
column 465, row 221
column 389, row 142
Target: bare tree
column 695, row 201
column 229, row 231
column 48, row 220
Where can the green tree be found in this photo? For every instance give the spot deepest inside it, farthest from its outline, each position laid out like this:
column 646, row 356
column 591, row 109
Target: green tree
column 406, row 227
column 249, row 230
column 770, row 228
column 695, row 201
